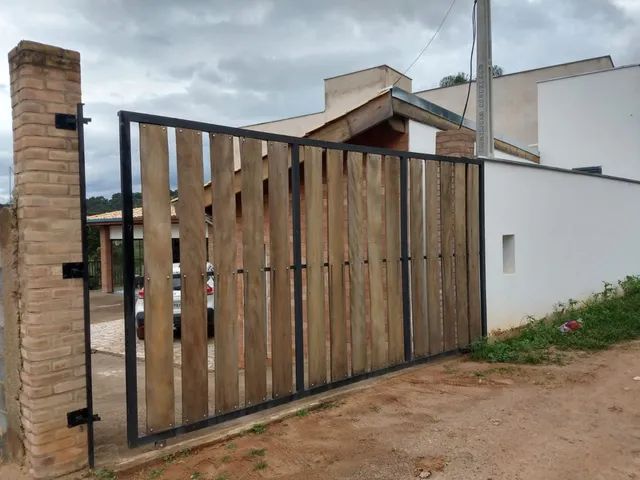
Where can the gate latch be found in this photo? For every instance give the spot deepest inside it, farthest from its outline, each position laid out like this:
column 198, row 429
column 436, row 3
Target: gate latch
column 68, row 121
column 80, row 417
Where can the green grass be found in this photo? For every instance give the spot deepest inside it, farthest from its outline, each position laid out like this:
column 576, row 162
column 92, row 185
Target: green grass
column 258, row 428
column 303, row 412
column 104, row 474
column 261, row 465
column 155, row 473
column 608, row 317
column 257, row 452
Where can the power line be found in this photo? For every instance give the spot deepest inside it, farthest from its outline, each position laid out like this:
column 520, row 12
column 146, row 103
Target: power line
column 435, row 34
column 473, row 44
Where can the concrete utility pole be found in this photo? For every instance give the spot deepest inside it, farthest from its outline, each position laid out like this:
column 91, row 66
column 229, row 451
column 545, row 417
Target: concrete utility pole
column 484, row 76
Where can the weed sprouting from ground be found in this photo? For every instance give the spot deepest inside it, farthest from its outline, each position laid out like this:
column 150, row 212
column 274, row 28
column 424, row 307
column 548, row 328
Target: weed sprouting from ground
column 177, row 456
column 303, row 412
column 258, row 428
column 608, row 317
column 104, row 474
column 261, row 465
column 257, row 452
column 155, row 473
column 222, row 476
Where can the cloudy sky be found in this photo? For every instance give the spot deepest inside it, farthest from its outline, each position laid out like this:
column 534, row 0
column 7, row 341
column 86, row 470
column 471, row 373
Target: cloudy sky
column 241, row 62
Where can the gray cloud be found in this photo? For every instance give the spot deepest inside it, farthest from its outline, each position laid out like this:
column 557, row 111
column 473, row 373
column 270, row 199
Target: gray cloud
column 248, row 61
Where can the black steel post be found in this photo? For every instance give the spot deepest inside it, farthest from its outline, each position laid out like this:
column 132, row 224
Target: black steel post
column 483, row 263
column 85, row 282
column 404, row 254
column 297, row 265
column 128, row 280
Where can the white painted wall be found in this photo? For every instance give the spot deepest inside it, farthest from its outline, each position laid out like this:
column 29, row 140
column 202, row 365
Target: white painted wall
column 592, row 120
column 422, row 137
column 572, row 232
column 515, row 102
column 115, row 232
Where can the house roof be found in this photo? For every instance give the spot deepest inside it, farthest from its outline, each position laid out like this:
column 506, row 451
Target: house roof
column 384, row 106
column 115, row 216
column 546, row 67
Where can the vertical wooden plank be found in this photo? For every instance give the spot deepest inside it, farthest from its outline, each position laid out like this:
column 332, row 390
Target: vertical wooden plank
column 462, row 307
column 392, row 253
column 158, row 288
column 335, row 227
column 356, row 228
column 281, row 364
column 255, row 344
column 447, row 200
column 193, row 258
column 434, row 277
column 473, row 250
column 224, row 262
column 375, row 236
column 315, row 269
column 417, row 248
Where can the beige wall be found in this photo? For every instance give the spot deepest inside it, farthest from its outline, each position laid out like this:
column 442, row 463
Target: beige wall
column 341, row 94
column 515, row 98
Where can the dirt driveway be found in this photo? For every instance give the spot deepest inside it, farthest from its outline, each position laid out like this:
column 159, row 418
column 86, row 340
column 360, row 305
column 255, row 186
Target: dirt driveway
column 457, row 420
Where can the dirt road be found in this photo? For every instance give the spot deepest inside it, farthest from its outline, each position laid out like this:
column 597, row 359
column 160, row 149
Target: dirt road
column 457, row 420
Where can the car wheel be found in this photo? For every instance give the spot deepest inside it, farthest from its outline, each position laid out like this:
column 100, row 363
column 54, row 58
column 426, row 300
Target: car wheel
column 140, row 332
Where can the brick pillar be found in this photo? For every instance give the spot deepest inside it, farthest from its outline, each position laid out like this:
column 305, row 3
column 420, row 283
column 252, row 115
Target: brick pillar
column 46, row 80
column 456, row 143
column 106, row 278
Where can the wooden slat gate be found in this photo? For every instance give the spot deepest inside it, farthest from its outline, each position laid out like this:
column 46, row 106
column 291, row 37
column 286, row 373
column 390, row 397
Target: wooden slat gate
column 331, row 263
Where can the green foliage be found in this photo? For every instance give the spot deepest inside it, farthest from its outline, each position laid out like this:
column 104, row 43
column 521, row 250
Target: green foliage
column 461, row 77
column 100, row 204
column 457, row 79
column 257, row 452
column 177, row 456
column 195, row 476
column 104, row 474
column 497, row 70
column 261, row 465
column 258, row 428
column 303, row 412
column 608, row 317
column 155, row 473
column 222, row 476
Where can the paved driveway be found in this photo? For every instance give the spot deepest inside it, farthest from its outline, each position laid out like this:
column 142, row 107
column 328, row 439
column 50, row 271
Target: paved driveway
column 108, row 337
column 107, row 329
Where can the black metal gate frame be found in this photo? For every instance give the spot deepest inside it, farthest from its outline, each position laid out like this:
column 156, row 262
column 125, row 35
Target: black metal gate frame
column 126, row 118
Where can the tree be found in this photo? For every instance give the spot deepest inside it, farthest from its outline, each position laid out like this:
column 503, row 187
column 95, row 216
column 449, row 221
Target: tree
column 456, row 79
column 461, row 77
column 496, row 70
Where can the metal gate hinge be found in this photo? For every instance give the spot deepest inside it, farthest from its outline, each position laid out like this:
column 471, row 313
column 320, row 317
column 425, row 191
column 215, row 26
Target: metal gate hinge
column 80, row 417
column 73, row 270
column 68, row 121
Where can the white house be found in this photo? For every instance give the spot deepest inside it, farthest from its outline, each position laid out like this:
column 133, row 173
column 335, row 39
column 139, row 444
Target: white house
column 592, row 120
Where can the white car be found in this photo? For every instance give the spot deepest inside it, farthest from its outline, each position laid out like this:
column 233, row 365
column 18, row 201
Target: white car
column 177, row 293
